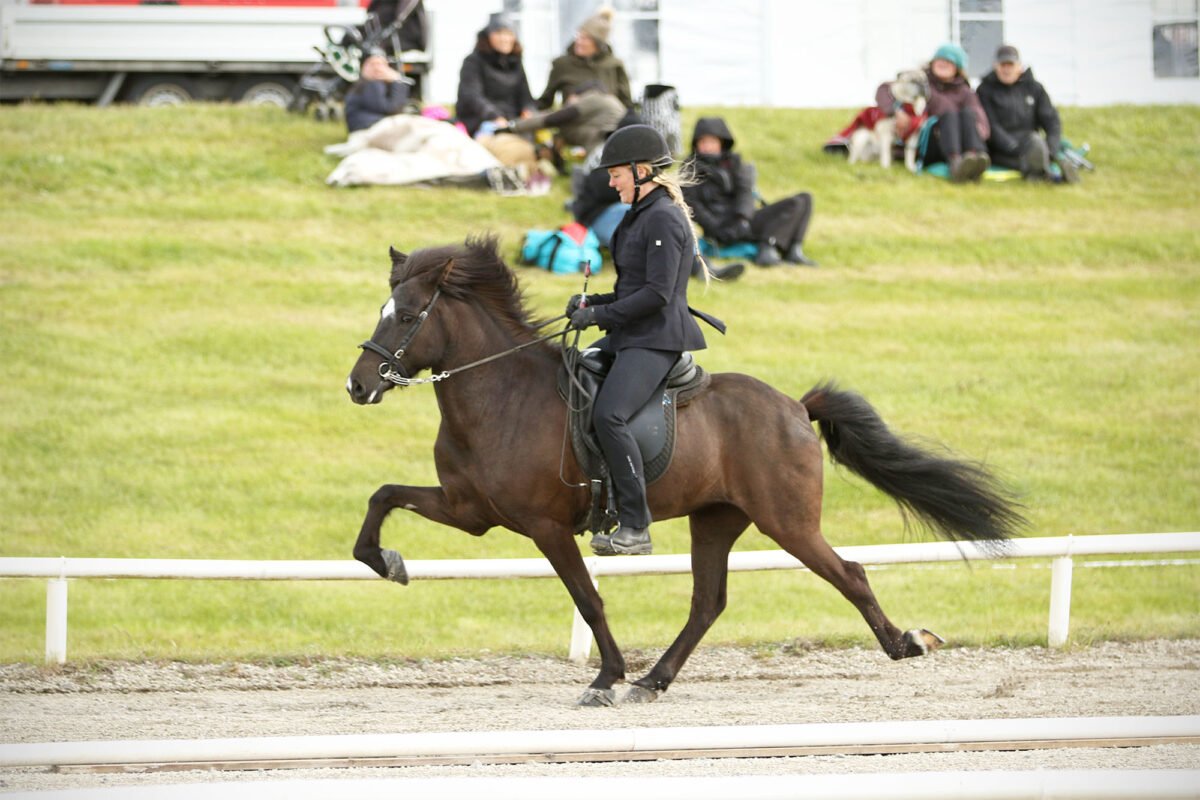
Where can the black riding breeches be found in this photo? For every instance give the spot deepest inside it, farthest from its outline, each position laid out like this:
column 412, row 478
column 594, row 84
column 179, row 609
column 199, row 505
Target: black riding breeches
column 954, row 133
column 632, row 380
column 785, row 222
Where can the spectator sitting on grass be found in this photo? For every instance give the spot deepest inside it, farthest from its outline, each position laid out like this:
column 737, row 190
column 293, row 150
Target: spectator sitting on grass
column 723, row 200
column 1026, row 131
column 379, row 92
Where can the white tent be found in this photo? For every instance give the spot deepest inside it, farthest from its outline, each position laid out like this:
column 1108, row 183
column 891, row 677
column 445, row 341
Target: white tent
column 816, row 53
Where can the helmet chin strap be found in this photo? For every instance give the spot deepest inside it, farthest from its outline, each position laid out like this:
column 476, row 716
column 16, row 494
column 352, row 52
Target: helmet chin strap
column 637, row 182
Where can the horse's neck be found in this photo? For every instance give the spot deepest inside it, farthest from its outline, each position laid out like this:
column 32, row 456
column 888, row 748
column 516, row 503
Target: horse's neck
column 473, row 398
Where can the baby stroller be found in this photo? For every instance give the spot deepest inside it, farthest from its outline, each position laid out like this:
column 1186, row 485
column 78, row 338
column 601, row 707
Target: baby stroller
column 397, row 29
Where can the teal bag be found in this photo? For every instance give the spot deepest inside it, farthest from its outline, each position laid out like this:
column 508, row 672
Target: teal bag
column 563, row 251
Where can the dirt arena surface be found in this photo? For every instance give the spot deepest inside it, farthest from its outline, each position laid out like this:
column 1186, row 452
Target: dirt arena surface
column 767, row 685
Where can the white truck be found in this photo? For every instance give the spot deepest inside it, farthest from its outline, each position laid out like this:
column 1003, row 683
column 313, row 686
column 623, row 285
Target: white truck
column 153, row 54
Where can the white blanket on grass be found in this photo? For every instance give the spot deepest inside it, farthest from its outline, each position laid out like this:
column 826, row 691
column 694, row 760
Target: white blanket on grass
column 404, row 149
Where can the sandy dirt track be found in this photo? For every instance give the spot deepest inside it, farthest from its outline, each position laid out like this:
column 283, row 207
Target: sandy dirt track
column 719, row 686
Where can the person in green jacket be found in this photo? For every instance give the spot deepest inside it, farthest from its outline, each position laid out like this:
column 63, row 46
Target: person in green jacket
column 588, row 58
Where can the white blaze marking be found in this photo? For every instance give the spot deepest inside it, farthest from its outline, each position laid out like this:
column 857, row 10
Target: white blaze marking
column 389, row 308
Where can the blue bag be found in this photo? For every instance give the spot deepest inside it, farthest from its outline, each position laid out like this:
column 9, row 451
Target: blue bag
column 563, row 251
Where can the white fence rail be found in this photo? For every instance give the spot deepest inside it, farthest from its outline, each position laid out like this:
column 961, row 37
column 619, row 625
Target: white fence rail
column 1061, row 548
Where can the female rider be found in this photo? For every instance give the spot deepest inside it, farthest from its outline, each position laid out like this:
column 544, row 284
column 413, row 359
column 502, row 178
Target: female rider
column 647, row 317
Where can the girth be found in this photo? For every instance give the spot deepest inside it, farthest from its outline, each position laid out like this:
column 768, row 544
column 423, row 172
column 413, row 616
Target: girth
column 653, row 426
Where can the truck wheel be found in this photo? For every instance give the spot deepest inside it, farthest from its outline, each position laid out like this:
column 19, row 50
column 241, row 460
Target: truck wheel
column 161, row 90
column 265, row 91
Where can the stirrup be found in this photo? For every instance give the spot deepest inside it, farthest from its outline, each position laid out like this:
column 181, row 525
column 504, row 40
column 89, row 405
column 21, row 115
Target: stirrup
column 602, row 545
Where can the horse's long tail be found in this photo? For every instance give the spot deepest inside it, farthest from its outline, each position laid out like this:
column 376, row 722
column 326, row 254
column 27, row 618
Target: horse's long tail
column 956, row 499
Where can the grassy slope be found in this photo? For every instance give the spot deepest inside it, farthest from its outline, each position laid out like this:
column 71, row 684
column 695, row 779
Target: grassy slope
column 180, row 298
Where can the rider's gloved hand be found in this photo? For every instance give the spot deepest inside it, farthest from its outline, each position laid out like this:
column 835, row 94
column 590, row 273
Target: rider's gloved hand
column 574, row 303
column 583, row 317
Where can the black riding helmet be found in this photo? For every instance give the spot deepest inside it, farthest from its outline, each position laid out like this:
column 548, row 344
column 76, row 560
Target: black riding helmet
column 633, row 145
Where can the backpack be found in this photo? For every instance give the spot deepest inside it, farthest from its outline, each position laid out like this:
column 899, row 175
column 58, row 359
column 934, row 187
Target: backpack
column 563, row 251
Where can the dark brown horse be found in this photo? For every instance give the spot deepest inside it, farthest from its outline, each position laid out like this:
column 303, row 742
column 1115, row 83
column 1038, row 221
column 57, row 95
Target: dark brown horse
column 745, row 453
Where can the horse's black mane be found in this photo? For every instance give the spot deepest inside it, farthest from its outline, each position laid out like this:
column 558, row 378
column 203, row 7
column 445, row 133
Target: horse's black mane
column 478, row 273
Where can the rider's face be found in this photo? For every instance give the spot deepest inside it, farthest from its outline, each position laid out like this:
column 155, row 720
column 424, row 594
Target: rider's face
column 621, row 179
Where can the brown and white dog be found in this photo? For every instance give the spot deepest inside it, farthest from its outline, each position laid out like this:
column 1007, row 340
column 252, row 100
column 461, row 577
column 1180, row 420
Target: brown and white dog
column 912, row 87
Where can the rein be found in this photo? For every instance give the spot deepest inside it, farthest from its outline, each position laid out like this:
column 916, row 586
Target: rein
column 392, row 370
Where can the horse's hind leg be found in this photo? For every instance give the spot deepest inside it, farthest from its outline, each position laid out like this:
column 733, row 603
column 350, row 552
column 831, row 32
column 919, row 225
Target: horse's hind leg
column 849, row 578
column 714, row 530
column 796, row 527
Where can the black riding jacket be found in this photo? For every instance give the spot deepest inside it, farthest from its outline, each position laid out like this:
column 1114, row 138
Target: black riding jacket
column 653, row 249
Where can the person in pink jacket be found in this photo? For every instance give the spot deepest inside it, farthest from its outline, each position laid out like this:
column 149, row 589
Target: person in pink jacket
column 961, row 131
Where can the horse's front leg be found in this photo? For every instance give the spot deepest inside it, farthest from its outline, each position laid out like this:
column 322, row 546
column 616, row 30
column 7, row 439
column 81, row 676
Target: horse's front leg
column 428, row 501
column 563, row 554
column 714, row 530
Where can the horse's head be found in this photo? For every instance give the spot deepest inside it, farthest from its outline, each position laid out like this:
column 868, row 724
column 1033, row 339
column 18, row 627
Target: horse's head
column 397, row 350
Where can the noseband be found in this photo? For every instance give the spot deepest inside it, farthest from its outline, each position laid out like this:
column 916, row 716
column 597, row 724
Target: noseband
column 391, row 369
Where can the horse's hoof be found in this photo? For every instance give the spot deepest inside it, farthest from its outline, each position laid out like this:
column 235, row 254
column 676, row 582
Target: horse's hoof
column 395, row 567
column 639, row 694
column 921, row 642
column 598, row 698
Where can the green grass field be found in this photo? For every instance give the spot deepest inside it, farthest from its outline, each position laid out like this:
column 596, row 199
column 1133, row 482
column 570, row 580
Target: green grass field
column 181, row 298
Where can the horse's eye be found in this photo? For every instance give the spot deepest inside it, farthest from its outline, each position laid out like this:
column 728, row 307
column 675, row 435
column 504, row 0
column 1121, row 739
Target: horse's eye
column 406, row 318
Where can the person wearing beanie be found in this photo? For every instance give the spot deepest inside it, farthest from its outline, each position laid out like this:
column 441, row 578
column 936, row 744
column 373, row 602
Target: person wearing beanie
column 492, row 86
column 723, row 200
column 588, row 58
column 1026, row 130
column 962, row 126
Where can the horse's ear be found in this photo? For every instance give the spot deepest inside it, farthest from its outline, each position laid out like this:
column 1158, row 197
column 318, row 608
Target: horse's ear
column 398, row 258
column 446, row 269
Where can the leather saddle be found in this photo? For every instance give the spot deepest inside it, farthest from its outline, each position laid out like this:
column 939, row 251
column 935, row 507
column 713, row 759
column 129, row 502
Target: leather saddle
column 653, row 426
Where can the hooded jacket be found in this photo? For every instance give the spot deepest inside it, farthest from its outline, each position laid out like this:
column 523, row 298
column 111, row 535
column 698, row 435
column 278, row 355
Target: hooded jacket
column 725, row 189
column 569, row 70
column 1017, row 110
column 492, row 85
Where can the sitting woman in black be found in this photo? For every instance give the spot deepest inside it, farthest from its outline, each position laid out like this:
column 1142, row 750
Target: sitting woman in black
column 492, row 86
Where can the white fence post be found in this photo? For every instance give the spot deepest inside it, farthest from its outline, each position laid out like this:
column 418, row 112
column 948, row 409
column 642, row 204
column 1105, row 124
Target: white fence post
column 581, row 632
column 56, row 621
column 1060, row 601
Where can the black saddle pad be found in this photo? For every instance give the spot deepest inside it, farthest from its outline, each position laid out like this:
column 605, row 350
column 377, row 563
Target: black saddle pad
column 653, row 426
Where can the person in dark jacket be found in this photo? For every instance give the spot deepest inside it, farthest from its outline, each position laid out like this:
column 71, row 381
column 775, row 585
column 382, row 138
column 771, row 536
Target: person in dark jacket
column 647, row 317
column 492, row 86
column 1026, row 131
column 588, row 58
column 380, row 92
column 962, row 126
column 723, row 200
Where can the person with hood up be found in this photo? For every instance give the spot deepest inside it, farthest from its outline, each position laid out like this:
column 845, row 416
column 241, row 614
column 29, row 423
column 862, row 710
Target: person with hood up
column 492, row 86
column 723, row 200
column 962, row 126
column 588, row 58
column 1026, row 131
